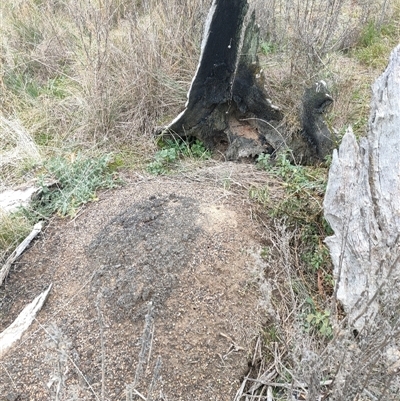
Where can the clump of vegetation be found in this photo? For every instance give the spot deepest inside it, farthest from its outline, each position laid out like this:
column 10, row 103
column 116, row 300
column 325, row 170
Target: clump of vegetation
column 304, row 186
column 97, row 74
column 301, row 208
column 65, row 184
column 333, row 41
column 172, row 150
column 376, row 41
column 318, row 355
column 68, row 183
column 320, row 321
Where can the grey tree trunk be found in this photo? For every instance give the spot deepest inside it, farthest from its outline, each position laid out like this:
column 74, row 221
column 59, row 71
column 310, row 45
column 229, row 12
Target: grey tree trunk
column 228, row 107
column 362, row 205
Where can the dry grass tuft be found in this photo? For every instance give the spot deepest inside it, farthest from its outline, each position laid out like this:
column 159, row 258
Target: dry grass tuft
column 13, row 229
column 102, row 75
column 19, row 151
column 292, row 362
column 98, row 73
column 304, row 42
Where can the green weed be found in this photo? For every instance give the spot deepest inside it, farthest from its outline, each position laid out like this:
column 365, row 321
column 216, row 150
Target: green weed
column 162, row 161
column 318, row 261
column 270, row 335
column 317, row 258
column 20, row 82
column 304, row 187
column 28, row 31
column 301, row 209
column 369, row 34
column 261, row 195
column 67, row 184
column 264, row 161
column 198, row 150
column 172, row 151
column 320, row 322
column 268, row 48
column 265, row 252
column 316, row 320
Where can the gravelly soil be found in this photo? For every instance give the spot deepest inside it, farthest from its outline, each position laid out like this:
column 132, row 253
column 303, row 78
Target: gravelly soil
column 163, row 267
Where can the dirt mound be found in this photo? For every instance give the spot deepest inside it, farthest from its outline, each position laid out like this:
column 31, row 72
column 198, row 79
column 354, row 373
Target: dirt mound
column 155, row 286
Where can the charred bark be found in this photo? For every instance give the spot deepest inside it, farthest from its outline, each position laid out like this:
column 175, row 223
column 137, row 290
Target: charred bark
column 228, row 107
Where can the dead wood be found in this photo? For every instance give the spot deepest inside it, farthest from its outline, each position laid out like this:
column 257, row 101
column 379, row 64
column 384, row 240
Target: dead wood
column 362, row 206
column 228, row 107
column 15, row 331
column 19, row 250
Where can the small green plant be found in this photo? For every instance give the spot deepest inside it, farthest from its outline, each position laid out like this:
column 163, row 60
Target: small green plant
column 198, row 150
column 172, row 151
column 317, row 258
column 264, row 161
column 69, row 183
column 318, row 262
column 320, row 321
column 369, row 34
column 26, row 85
column 261, row 195
column 264, row 252
column 163, row 159
column 301, row 209
column 304, row 187
column 227, row 183
column 270, row 335
column 268, row 48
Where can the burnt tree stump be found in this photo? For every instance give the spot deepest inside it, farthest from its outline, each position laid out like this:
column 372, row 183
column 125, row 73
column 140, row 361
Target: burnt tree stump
column 228, row 108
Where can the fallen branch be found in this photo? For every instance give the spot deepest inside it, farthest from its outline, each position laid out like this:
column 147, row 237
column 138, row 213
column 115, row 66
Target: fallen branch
column 14, row 332
column 18, row 251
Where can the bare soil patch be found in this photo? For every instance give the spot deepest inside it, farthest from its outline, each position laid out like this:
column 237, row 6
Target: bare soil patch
column 181, row 254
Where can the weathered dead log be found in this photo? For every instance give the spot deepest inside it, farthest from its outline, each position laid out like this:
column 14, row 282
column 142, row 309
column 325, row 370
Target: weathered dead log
column 228, row 107
column 362, row 205
column 15, row 331
column 19, row 250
